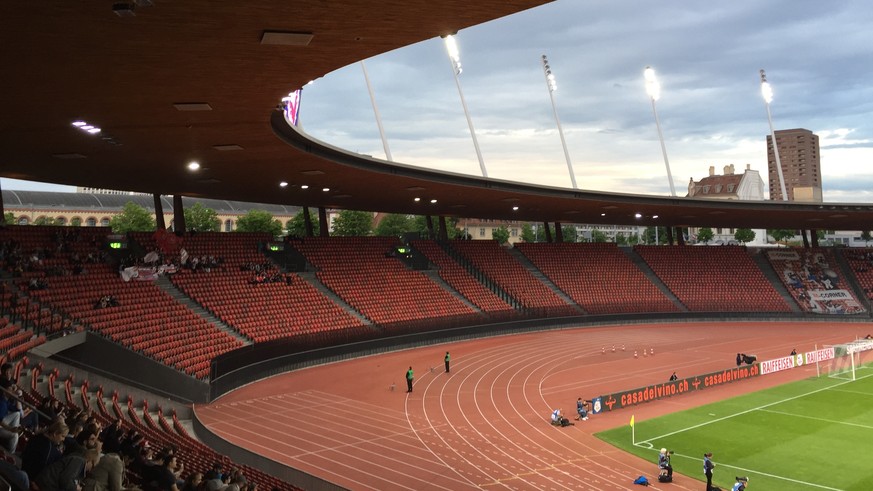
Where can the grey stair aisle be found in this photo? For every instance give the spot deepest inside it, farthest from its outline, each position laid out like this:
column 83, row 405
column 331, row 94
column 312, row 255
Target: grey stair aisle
column 165, row 284
column 526, row 264
column 852, row 280
column 766, row 267
column 436, row 278
column 315, row 282
column 644, row 267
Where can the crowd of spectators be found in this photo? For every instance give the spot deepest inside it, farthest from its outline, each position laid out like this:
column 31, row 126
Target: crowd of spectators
column 70, row 450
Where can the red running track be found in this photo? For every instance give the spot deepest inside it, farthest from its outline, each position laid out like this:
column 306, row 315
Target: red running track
column 485, row 425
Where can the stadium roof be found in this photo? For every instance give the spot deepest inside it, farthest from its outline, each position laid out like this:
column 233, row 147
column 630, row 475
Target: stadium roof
column 54, row 201
column 138, row 77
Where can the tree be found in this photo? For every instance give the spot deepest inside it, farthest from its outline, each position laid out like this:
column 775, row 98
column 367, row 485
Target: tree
column 500, row 234
column 45, row 221
column 620, row 239
column 199, row 218
column 704, row 235
column 9, row 218
column 780, row 234
column 527, row 233
column 650, row 236
column 76, row 222
column 569, row 233
column 352, row 223
column 133, row 218
column 866, row 237
column 297, row 225
column 744, row 235
column 259, row 221
column 394, row 224
column 598, row 236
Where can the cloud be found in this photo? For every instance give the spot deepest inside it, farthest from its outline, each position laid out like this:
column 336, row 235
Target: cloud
column 707, row 57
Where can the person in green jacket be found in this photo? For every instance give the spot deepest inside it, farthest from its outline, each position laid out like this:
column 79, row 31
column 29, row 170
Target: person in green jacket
column 448, row 359
column 409, row 377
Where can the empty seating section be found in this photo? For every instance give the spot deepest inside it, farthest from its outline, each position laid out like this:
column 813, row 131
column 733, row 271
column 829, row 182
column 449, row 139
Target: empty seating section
column 267, row 311
column 497, row 264
column 15, row 341
column 146, row 319
column 713, row 279
column 814, row 280
column 597, row 276
column 263, row 311
column 381, row 288
column 861, row 262
column 458, row 278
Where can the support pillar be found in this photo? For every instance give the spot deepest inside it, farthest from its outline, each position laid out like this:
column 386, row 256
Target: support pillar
column 559, row 233
column 428, row 220
column 307, row 222
column 178, row 215
column 444, row 231
column 805, row 239
column 680, row 236
column 813, row 237
column 548, row 231
column 669, row 235
column 322, row 222
column 159, row 212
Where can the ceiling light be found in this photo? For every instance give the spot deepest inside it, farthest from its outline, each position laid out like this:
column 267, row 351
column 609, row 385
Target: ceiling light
column 286, row 38
column 417, row 200
column 325, row 189
column 94, row 131
column 192, row 106
column 193, row 165
column 638, row 215
column 304, row 186
column 68, row 156
column 654, row 216
column 603, row 214
column 227, row 148
column 283, row 184
column 86, row 127
column 433, row 201
column 514, row 208
column 79, row 123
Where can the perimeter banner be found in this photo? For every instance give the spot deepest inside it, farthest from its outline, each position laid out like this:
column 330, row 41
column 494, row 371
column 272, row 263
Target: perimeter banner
column 619, row 400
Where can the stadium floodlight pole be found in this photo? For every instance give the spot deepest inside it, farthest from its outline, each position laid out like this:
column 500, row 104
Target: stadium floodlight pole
column 552, row 85
column 767, row 93
column 653, row 88
column 455, row 60
column 376, row 112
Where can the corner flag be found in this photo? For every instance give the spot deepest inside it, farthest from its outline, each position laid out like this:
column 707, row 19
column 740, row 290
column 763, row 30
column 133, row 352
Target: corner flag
column 633, row 431
column 632, row 421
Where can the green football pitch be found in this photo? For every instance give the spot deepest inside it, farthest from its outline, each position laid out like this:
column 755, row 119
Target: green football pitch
column 816, row 434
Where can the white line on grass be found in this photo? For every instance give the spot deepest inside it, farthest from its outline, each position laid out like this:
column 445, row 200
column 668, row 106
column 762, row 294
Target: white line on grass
column 648, row 441
column 818, row 419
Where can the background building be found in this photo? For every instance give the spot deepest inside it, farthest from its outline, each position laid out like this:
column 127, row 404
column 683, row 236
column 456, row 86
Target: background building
column 747, row 186
column 801, row 166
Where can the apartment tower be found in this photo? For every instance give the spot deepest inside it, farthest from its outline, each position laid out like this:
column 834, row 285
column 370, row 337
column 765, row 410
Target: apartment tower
column 801, row 166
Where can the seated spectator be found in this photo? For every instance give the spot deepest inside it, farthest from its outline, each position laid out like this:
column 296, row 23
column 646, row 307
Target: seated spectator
column 164, row 477
column 108, row 473
column 10, row 423
column 67, row 473
column 44, row 448
column 582, row 408
column 193, row 482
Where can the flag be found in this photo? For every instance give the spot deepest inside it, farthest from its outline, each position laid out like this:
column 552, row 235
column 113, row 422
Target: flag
column 292, row 106
column 632, row 421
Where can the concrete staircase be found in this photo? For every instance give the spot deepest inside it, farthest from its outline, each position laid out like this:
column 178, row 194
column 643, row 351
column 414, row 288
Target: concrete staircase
column 165, row 284
column 644, row 267
column 766, row 267
column 523, row 260
column 318, row 285
column 435, row 277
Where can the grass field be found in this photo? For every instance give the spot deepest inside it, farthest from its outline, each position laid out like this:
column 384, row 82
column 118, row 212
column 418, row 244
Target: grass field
column 816, row 434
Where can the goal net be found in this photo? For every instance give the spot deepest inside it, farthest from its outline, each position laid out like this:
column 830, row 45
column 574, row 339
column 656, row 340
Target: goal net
column 848, row 359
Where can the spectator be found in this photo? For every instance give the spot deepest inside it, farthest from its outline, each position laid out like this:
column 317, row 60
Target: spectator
column 582, row 407
column 674, row 377
column 664, row 463
column 741, row 484
column 44, row 449
column 10, row 423
column 193, row 483
column 108, row 473
column 67, row 473
column 164, row 476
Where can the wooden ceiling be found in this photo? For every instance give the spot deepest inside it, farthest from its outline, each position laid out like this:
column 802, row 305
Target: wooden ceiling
column 65, row 61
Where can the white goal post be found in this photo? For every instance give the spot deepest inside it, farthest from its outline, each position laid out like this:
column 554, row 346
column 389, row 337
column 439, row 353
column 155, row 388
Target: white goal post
column 847, row 359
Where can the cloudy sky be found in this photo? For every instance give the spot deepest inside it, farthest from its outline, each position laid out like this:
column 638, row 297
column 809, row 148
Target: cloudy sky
column 707, row 55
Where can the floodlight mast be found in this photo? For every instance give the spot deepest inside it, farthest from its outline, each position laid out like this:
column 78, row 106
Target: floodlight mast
column 376, row 112
column 552, row 85
column 653, row 89
column 767, row 94
column 455, row 60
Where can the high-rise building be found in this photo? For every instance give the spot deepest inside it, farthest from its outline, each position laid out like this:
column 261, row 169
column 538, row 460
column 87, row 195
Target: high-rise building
column 801, row 166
